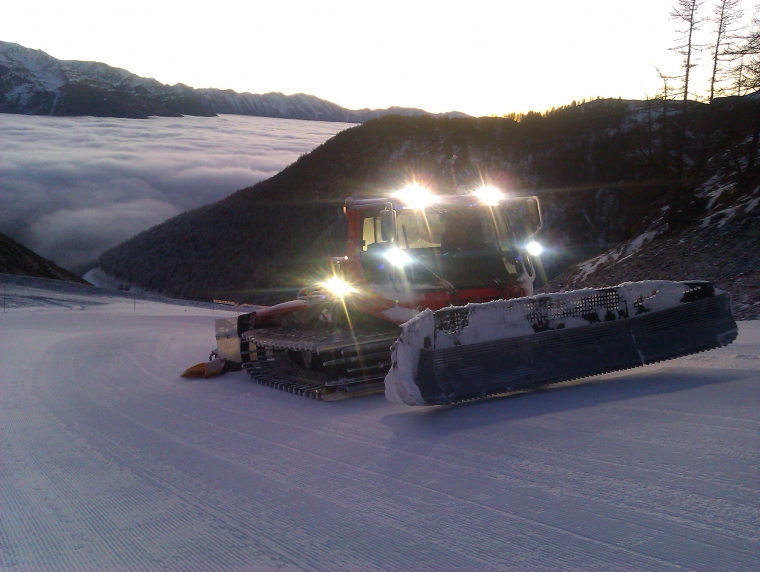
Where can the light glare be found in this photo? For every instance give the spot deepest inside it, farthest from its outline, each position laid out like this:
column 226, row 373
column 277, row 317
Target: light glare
column 489, row 196
column 416, row 197
column 397, row 257
column 338, row 286
column 534, row 248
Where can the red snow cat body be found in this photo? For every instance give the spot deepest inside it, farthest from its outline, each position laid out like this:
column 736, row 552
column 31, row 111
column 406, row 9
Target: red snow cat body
column 433, row 304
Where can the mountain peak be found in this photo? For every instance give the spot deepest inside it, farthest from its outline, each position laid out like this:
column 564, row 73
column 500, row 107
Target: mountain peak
column 36, row 83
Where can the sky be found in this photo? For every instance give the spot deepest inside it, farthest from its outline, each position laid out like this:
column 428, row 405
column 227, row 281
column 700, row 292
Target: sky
column 477, row 56
column 71, row 187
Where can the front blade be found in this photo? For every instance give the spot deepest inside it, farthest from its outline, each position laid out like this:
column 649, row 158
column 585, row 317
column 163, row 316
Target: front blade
column 459, row 354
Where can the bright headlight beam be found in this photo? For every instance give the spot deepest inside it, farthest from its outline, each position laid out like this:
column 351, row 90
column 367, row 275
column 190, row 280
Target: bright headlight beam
column 397, row 257
column 534, row 248
column 338, row 286
column 489, row 196
column 416, row 197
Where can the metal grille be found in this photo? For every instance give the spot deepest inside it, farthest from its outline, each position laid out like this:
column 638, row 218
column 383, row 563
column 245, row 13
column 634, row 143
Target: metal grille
column 452, row 321
column 541, row 311
column 698, row 291
column 299, row 337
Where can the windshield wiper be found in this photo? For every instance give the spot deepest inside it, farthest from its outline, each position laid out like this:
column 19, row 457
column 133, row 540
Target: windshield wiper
column 450, row 288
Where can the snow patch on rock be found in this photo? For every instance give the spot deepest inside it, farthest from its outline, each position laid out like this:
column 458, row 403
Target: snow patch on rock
column 618, row 253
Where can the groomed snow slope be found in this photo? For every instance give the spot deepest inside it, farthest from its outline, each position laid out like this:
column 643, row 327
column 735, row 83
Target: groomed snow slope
column 110, row 461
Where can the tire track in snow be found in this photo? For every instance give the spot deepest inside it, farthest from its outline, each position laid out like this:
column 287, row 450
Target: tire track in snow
column 59, row 525
column 694, row 522
column 112, row 448
column 179, row 521
column 576, row 430
column 321, row 544
column 352, row 437
column 43, row 468
column 121, row 541
column 446, row 540
column 697, row 522
column 460, row 499
column 398, row 508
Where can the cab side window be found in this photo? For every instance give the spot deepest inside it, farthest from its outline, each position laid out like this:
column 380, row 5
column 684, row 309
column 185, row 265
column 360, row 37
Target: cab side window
column 371, row 233
column 368, row 232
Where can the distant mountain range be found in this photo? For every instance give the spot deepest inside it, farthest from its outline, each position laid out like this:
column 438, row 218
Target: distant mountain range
column 35, row 83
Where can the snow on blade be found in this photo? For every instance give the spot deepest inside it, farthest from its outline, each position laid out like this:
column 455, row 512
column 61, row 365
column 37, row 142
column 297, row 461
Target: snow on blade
column 472, row 324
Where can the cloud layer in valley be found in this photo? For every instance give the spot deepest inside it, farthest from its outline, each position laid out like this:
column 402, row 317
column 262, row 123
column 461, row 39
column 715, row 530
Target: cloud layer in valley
column 71, row 187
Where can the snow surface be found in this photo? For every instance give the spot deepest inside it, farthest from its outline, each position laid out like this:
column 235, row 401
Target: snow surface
column 111, row 461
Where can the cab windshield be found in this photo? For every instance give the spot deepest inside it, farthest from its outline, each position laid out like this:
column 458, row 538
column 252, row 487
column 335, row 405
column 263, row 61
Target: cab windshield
column 447, row 229
column 467, row 245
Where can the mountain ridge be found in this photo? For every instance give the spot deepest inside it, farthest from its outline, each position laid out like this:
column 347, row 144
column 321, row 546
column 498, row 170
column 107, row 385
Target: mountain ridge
column 34, row 83
column 17, row 259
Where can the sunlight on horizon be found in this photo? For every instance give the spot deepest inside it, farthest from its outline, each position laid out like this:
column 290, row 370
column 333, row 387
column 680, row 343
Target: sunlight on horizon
column 482, row 58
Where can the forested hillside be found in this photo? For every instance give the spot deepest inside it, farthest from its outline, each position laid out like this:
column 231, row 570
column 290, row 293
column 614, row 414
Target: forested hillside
column 603, row 170
column 18, row 259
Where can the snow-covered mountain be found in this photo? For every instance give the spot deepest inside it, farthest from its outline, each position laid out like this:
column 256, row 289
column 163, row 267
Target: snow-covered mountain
column 35, row 83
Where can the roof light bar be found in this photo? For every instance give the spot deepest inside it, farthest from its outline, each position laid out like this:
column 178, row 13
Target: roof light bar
column 416, row 197
column 489, row 196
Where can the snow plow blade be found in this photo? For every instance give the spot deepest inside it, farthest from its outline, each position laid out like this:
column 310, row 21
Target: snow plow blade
column 475, row 351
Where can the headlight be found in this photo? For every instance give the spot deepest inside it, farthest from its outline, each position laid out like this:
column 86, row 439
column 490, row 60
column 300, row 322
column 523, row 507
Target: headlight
column 489, row 196
column 533, row 248
column 416, row 197
column 397, row 257
column 338, row 287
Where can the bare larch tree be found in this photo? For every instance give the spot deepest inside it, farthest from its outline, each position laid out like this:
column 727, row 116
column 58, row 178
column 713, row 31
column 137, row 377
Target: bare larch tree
column 748, row 82
column 726, row 17
column 686, row 14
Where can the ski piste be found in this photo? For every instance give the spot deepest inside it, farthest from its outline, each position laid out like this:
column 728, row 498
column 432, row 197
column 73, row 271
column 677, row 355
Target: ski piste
column 459, row 354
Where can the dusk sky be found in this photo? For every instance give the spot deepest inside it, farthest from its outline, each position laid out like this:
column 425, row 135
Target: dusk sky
column 479, row 57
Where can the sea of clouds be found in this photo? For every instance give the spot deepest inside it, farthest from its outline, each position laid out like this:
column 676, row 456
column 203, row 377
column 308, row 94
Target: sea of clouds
column 72, row 187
